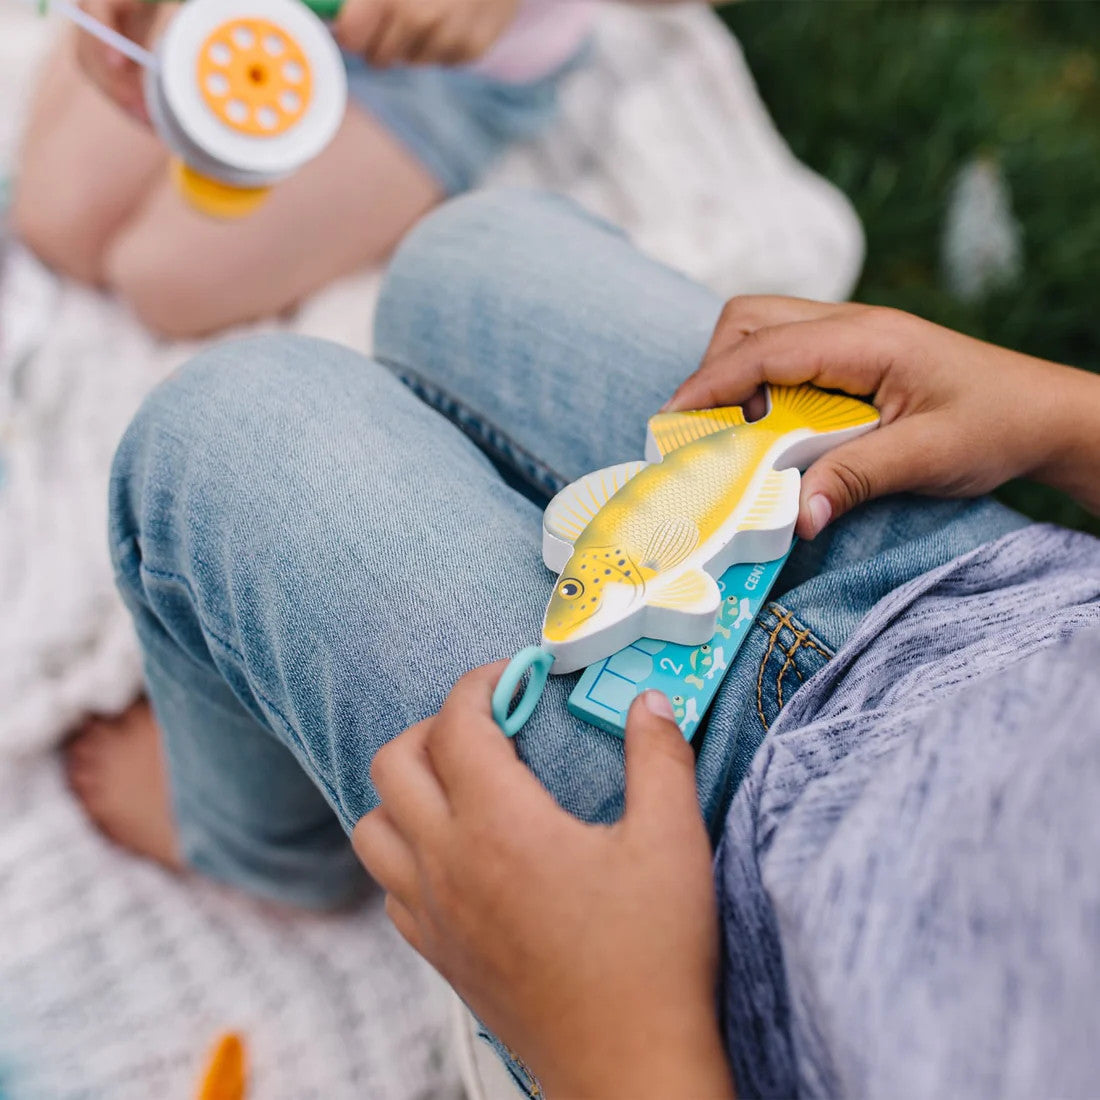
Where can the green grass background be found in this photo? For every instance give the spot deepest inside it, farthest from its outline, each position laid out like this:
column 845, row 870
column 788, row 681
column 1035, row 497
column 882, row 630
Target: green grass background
column 890, row 98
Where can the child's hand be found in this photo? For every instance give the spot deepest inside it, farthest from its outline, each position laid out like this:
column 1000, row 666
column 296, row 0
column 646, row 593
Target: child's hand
column 422, row 32
column 591, row 950
column 116, row 76
column 959, row 417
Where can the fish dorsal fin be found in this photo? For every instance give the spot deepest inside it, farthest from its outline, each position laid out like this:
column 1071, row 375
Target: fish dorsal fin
column 814, row 421
column 776, row 504
column 817, row 409
column 667, row 431
column 670, row 544
column 693, row 592
column 571, row 510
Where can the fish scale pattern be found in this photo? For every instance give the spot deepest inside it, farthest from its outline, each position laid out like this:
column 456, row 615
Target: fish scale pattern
column 664, row 494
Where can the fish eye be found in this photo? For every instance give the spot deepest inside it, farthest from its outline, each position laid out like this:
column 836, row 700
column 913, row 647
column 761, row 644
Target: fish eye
column 704, row 649
column 731, row 599
column 570, row 589
column 677, row 699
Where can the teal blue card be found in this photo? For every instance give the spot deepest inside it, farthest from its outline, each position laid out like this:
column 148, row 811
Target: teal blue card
column 689, row 675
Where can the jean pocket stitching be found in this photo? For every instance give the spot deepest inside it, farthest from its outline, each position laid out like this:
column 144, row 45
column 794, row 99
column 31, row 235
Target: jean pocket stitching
column 773, row 640
column 800, row 642
column 803, row 638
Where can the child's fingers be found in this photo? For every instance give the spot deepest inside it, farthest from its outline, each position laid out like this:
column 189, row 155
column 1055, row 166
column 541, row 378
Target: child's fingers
column 407, row 784
column 403, row 920
column 749, row 312
column 446, row 46
column 402, row 37
column 389, row 44
column 117, row 77
column 386, row 855
column 740, row 317
column 475, row 762
column 898, row 457
column 456, row 41
column 466, row 739
column 359, row 24
column 835, row 352
column 660, row 766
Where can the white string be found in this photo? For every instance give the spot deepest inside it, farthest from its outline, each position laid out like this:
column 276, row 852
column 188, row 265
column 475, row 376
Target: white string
column 107, row 35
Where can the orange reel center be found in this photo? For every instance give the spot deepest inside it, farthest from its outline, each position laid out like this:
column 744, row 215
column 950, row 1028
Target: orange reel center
column 254, row 77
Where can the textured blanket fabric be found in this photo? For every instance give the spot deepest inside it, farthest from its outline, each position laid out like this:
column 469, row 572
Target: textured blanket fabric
column 115, row 978
column 910, row 875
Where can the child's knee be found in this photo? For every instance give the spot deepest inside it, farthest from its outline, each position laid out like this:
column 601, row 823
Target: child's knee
column 228, row 405
column 165, row 293
column 242, row 384
column 443, row 245
column 60, row 229
column 484, row 247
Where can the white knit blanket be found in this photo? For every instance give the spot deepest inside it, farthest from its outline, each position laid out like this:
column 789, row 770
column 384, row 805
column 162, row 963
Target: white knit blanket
column 114, row 977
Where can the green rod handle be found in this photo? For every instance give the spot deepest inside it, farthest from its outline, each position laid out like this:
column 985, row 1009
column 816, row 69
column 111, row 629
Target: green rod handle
column 326, row 9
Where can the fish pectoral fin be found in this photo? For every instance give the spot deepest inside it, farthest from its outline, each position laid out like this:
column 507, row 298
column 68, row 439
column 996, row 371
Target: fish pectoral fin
column 776, row 503
column 693, row 592
column 670, row 544
column 571, row 510
column 668, row 431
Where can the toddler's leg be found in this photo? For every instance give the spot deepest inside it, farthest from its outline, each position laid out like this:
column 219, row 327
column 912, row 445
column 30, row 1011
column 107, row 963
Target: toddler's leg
column 188, row 275
column 84, row 168
column 94, row 201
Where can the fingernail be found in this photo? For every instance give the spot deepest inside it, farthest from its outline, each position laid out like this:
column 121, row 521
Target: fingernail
column 821, row 511
column 115, row 60
column 657, row 703
column 665, row 406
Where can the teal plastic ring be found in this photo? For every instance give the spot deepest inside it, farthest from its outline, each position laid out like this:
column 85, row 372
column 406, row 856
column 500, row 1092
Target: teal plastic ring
column 534, row 660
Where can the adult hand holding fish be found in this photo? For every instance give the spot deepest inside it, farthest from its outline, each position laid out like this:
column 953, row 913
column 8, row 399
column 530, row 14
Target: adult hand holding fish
column 959, row 416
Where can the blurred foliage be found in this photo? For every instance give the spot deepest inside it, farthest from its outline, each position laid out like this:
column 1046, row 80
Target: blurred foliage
column 890, row 98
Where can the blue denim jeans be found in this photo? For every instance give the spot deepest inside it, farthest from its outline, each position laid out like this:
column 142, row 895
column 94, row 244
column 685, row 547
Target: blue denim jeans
column 315, row 545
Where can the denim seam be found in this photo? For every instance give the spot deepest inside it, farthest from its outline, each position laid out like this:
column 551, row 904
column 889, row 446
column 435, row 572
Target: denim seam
column 531, row 1086
column 784, row 619
column 163, row 574
column 488, row 435
column 802, row 640
column 788, row 663
column 534, row 1089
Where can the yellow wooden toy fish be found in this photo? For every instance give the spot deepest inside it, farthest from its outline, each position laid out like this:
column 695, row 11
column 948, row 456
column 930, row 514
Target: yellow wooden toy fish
column 639, row 545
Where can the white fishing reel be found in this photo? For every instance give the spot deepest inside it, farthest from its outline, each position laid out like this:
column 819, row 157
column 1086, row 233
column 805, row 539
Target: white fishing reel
column 244, row 93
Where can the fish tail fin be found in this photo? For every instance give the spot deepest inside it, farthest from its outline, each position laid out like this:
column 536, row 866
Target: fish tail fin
column 798, row 407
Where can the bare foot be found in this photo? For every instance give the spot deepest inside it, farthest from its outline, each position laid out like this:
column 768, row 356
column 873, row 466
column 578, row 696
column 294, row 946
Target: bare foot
column 116, row 769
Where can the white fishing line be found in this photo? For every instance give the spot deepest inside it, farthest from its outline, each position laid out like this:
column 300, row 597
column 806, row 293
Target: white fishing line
column 107, row 35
